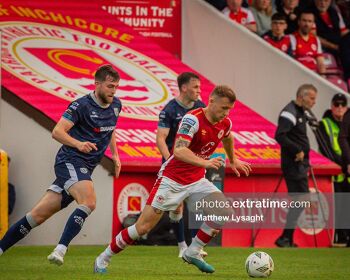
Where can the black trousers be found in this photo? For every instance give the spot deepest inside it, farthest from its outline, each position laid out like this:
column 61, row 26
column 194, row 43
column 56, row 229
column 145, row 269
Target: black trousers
column 341, row 211
column 297, row 188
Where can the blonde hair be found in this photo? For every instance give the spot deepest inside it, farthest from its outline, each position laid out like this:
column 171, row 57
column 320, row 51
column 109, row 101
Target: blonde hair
column 268, row 11
column 224, row 91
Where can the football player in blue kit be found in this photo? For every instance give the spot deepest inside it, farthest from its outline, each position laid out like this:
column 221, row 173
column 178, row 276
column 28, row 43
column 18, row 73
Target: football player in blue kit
column 169, row 119
column 85, row 130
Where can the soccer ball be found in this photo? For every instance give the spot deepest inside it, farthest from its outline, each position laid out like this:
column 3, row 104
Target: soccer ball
column 259, row 264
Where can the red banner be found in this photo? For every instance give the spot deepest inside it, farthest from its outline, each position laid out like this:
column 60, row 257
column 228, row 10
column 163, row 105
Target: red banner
column 303, row 237
column 154, row 19
column 50, row 51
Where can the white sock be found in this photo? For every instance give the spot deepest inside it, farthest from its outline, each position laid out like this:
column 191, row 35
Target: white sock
column 182, row 244
column 1, row 251
column 133, row 232
column 108, row 253
column 62, row 249
column 196, row 245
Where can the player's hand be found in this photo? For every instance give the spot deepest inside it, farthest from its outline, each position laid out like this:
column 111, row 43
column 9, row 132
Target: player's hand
column 117, row 166
column 241, row 165
column 86, row 147
column 214, row 163
column 299, row 156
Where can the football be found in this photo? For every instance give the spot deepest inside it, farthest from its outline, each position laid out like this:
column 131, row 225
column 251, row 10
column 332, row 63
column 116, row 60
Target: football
column 259, row 265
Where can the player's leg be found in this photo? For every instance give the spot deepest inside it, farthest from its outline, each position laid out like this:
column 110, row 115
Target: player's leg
column 48, row 205
column 149, row 218
column 84, row 194
column 162, row 198
column 177, row 222
column 204, row 190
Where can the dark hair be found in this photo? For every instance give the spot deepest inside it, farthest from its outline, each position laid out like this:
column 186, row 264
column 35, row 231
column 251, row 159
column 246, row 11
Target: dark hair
column 224, row 91
column 185, row 77
column 278, row 16
column 307, row 12
column 104, row 71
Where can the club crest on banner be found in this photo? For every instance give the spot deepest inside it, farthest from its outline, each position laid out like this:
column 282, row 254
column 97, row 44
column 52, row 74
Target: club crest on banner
column 62, row 62
column 131, row 200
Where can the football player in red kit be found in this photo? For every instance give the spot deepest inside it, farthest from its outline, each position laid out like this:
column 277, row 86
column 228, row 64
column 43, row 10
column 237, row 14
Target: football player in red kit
column 181, row 177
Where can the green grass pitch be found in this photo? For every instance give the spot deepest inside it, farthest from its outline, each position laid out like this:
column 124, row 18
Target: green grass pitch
column 158, row 262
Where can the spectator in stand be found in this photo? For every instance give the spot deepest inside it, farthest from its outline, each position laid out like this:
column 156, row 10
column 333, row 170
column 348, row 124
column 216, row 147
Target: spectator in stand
column 262, row 12
column 304, row 4
column 276, row 36
column 331, row 29
column 306, row 46
column 237, row 13
column 328, row 142
column 290, row 8
column 219, row 4
column 344, row 8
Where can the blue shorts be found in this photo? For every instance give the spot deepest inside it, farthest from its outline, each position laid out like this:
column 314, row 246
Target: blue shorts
column 68, row 174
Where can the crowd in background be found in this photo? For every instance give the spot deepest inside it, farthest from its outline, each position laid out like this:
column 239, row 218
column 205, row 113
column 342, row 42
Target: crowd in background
column 314, row 32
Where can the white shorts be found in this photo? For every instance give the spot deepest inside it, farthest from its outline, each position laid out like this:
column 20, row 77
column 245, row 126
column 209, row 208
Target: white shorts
column 167, row 194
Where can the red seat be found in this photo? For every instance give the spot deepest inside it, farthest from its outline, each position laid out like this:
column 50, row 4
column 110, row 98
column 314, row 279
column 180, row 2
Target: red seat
column 331, row 64
column 338, row 81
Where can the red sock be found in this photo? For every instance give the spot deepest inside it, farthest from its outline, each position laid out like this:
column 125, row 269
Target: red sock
column 121, row 241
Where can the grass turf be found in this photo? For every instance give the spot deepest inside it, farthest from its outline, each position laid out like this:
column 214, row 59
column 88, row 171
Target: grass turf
column 157, row 262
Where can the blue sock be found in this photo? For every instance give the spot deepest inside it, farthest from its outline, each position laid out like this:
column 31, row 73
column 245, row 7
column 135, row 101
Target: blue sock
column 74, row 224
column 194, row 232
column 179, row 228
column 17, row 231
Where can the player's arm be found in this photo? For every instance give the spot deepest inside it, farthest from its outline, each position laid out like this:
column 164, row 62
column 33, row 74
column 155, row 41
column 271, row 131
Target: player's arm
column 187, row 129
column 235, row 163
column 115, row 155
column 162, row 134
column 60, row 134
column 183, row 153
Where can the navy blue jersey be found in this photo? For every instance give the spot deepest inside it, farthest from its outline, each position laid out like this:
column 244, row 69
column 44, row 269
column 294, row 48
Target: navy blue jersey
column 92, row 123
column 171, row 116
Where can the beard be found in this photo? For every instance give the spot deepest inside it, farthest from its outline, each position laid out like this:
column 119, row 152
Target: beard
column 105, row 99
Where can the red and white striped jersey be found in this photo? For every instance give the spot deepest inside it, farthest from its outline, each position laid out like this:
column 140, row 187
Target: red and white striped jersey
column 204, row 137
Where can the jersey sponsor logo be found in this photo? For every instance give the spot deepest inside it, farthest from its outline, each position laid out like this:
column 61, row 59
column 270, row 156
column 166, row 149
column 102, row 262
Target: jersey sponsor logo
column 131, row 200
column 61, row 61
column 207, row 147
column 103, row 129
column 83, row 170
